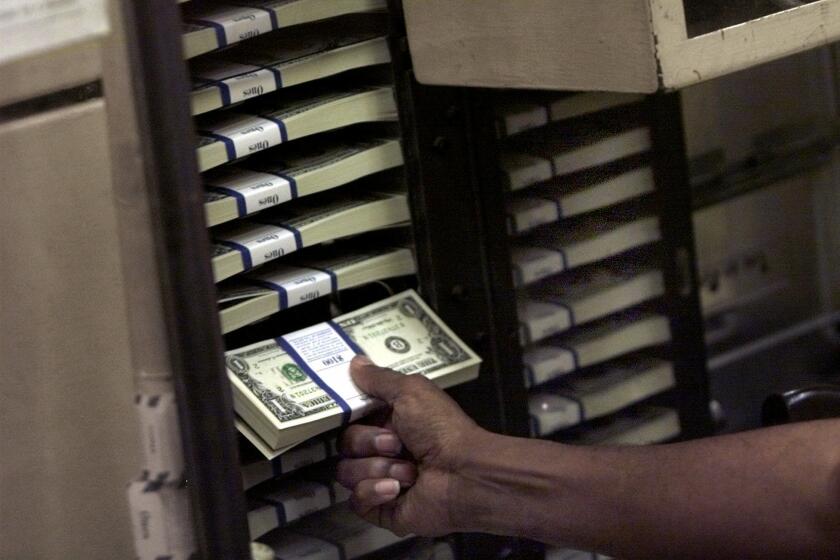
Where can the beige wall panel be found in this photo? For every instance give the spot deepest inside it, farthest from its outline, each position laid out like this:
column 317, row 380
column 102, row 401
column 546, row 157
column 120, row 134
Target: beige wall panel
column 52, row 71
column 68, row 437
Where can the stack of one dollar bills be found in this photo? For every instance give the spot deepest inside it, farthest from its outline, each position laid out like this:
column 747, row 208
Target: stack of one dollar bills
column 289, row 389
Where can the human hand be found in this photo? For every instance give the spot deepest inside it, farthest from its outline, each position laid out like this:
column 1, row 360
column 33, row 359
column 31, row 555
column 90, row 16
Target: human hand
column 420, row 446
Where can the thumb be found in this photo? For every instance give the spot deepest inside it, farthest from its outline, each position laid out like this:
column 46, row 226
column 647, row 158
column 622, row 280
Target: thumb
column 382, row 383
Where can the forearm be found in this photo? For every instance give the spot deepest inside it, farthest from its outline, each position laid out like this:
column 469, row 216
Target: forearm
column 769, row 493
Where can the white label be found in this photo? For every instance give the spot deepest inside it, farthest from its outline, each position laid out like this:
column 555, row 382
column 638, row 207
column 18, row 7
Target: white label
column 257, row 135
column 554, row 413
column 546, row 363
column 241, row 23
column 301, row 284
column 542, row 320
column 524, row 118
column 252, row 84
column 328, row 355
column 537, row 264
column 265, row 243
column 32, row 26
column 161, row 436
column 307, row 498
column 537, row 215
column 259, row 190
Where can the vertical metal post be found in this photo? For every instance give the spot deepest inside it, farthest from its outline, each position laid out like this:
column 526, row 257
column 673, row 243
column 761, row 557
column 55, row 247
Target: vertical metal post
column 688, row 350
column 161, row 88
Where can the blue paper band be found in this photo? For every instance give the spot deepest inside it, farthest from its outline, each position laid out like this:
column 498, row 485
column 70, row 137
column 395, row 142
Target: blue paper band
column 293, row 188
column 293, row 230
column 568, row 308
column 578, row 402
column 575, row 357
column 534, row 424
column 345, row 408
column 557, row 204
column 353, row 346
column 278, row 76
column 241, row 208
column 247, row 263
column 221, row 36
column 224, row 90
column 284, row 137
column 229, row 146
column 271, row 14
column 277, row 466
column 280, row 509
column 529, row 375
column 284, row 295
column 563, row 258
column 333, row 278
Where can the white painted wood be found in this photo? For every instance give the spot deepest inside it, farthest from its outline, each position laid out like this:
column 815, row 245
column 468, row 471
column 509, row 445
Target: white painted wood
column 544, row 44
column 617, row 45
column 690, row 61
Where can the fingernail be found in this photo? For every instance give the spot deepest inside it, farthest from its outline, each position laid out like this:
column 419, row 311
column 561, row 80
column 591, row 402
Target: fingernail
column 387, row 444
column 362, row 360
column 387, row 488
column 401, row 472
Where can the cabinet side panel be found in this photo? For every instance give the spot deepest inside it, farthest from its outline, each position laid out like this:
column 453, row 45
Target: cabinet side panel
column 67, row 426
column 535, row 44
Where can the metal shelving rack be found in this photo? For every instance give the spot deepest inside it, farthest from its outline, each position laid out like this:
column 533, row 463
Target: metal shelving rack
column 451, row 157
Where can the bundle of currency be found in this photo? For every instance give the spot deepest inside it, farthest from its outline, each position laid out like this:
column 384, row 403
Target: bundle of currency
column 289, row 389
column 307, row 168
column 211, row 26
column 305, row 223
column 229, row 136
column 641, row 425
column 333, row 534
column 596, row 343
column 604, row 391
column 568, row 197
column 283, row 285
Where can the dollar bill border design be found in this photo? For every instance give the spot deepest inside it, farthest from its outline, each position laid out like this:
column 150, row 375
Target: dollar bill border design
column 442, row 346
column 237, row 363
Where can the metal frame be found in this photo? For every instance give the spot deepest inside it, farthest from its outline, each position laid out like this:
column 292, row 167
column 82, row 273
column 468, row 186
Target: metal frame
column 153, row 30
column 682, row 300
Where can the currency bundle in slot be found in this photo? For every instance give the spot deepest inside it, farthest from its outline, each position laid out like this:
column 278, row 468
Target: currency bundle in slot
column 313, row 451
column 286, row 284
column 308, row 222
column 335, row 534
column 579, row 194
column 594, row 344
column 598, row 393
column 639, row 425
column 592, row 294
column 545, row 153
column 209, row 27
column 554, row 250
column 285, row 501
column 536, row 110
column 230, row 135
column 292, row 388
column 288, row 58
column 301, row 169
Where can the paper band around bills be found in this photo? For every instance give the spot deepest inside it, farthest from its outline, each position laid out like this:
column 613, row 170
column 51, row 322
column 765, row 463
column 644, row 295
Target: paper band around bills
column 256, row 190
column 266, row 243
column 325, row 349
column 232, row 26
column 260, row 133
column 300, row 285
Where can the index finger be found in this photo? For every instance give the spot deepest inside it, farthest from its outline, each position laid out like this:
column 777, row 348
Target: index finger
column 382, row 383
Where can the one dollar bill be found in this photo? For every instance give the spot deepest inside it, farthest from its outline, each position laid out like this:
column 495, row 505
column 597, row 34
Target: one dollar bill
column 289, row 389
